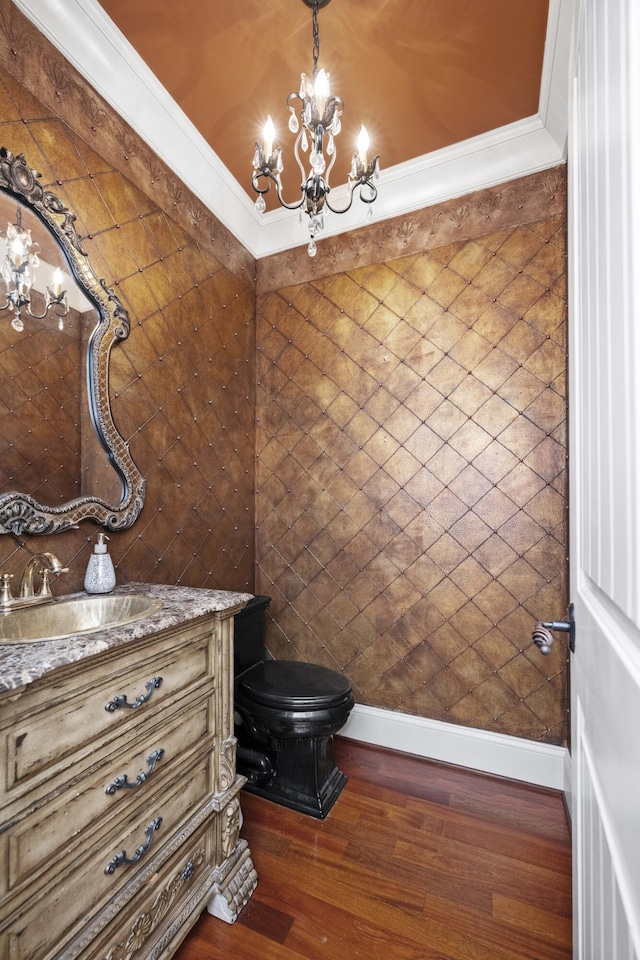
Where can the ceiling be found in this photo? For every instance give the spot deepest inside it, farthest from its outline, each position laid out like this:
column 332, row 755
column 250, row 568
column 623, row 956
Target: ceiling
column 420, row 74
column 436, row 82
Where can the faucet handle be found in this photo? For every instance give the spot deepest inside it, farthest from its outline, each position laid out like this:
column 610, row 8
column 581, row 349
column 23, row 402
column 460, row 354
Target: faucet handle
column 45, row 589
column 6, row 598
column 45, row 573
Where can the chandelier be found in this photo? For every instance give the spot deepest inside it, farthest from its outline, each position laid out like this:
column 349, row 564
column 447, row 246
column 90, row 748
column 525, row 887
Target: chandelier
column 317, row 126
column 18, row 272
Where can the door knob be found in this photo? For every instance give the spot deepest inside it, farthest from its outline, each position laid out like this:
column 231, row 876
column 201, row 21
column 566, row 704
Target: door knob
column 542, row 632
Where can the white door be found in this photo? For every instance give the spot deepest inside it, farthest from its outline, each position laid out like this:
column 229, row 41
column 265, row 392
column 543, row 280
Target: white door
column 604, row 350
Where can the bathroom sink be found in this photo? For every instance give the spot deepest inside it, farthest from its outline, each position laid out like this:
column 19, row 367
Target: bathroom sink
column 80, row 615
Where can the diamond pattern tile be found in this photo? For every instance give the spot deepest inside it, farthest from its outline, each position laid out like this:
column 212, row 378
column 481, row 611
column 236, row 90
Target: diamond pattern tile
column 434, row 387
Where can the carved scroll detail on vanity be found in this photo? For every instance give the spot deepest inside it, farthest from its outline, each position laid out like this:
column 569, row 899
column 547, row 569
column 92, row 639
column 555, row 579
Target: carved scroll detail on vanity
column 230, row 827
column 228, row 763
column 145, row 924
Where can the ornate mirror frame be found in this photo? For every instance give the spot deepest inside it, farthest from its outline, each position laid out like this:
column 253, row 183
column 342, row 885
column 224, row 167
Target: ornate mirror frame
column 20, row 513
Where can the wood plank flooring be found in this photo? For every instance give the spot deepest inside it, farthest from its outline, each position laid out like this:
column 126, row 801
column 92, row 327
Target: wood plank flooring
column 416, row 861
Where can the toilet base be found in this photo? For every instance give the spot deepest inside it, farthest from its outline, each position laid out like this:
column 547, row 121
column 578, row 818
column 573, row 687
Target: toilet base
column 286, row 714
column 304, row 778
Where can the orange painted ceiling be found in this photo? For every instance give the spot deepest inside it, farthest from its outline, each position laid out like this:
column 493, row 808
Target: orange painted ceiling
column 420, row 74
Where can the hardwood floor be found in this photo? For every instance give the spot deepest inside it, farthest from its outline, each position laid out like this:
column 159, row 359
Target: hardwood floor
column 417, row 861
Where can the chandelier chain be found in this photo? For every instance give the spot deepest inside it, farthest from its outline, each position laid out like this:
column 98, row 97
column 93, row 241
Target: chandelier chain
column 316, row 38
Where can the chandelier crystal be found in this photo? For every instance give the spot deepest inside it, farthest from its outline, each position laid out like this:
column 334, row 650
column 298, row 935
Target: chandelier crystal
column 18, row 272
column 316, row 124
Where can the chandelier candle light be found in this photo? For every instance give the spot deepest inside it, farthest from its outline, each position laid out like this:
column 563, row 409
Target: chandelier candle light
column 319, row 121
column 18, row 272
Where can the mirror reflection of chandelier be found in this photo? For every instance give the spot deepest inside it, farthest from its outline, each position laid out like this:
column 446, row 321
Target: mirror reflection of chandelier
column 319, row 120
column 18, row 272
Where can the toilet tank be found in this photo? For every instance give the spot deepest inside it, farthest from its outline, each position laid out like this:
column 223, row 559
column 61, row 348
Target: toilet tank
column 249, row 634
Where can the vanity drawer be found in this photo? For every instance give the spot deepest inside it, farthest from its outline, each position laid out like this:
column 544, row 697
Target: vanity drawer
column 81, row 713
column 83, row 814
column 51, row 917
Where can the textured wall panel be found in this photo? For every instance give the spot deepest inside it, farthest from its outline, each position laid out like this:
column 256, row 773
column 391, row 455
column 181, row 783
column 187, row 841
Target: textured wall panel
column 411, row 486
column 182, row 383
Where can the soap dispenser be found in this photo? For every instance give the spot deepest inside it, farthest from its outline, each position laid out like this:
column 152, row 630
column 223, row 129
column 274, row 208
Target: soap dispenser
column 100, row 576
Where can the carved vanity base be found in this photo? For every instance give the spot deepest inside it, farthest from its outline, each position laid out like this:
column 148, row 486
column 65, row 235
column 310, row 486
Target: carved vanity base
column 158, row 929
column 120, row 825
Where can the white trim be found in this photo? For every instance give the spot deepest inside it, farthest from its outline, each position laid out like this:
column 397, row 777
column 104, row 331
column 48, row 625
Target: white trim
column 87, row 37
column 541, row 764
column 557, row 75
column 568, row 782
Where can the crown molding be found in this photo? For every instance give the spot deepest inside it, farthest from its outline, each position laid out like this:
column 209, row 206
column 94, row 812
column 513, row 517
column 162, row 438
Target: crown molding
column 90, row 41
column 509, row 153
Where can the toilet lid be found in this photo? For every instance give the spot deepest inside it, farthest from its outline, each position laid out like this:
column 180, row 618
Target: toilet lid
column 295, row 686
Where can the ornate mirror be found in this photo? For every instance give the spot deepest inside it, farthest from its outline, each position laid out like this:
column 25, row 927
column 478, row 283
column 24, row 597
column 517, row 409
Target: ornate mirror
column 62, row 459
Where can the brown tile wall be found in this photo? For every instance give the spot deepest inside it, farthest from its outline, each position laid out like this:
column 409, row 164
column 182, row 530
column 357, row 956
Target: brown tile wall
column 182, row 383
column 411, row 487
column 411, row 482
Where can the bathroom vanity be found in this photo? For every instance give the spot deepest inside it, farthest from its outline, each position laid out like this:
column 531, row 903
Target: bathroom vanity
column 120, row 815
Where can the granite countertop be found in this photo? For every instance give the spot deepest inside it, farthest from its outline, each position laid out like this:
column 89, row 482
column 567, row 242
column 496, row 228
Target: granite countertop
column 23, row 663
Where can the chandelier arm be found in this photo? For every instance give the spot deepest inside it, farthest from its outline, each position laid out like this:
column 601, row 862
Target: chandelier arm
column 37, row 316
column 254, row 182
column 352, row 189
column 289, row 206
column 267, row 173
column 374, row 191
column 58, row 304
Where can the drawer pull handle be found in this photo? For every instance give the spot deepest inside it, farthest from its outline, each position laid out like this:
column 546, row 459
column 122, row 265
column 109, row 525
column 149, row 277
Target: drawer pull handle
column 123, row 783
column 122, row 860
column 121, row 699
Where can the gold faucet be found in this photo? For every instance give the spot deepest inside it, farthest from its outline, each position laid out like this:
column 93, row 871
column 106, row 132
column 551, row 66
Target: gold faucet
column 43, row 563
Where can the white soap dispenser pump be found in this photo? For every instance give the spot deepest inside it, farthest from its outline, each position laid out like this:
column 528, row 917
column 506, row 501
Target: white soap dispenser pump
column 100, row 576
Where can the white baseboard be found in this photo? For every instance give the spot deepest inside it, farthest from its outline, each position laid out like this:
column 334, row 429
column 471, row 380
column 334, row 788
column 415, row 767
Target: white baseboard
column 538, row 763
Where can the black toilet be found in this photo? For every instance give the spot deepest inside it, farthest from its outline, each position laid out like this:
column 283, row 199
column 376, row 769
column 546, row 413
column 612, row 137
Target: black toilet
column 286, row 715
